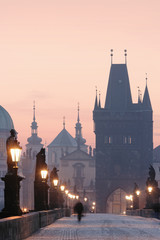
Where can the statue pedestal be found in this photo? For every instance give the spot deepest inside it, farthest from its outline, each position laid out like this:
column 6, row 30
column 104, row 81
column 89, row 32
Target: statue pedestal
column 11, row 195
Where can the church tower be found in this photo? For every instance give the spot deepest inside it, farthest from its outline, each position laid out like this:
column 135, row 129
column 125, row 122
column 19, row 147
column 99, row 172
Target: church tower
column 78, row 133
column 124, row 141
column 34, row 142
column 28, row 164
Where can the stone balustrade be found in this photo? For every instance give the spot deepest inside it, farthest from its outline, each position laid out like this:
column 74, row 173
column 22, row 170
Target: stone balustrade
column 141, row 212
column 21, row 227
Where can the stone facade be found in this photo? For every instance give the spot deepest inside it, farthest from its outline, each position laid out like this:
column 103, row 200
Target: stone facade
column 78, row 172
column 124, row 140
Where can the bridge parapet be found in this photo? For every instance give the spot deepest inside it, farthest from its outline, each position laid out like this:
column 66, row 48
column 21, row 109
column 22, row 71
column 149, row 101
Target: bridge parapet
column 21, row 227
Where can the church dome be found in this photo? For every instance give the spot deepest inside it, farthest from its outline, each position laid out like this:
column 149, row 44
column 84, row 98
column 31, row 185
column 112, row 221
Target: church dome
column 6, row 122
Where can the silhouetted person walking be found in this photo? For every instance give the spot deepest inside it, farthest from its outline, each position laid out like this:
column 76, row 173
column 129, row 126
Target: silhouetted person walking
column 78, row 208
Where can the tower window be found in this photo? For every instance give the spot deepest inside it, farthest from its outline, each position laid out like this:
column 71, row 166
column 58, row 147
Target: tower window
column 107, row 139
column 129, row 140
column 110, row 140
column 124, row 140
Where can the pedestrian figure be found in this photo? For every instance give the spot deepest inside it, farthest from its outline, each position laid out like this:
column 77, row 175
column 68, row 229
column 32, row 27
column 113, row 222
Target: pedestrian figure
column 78, row 208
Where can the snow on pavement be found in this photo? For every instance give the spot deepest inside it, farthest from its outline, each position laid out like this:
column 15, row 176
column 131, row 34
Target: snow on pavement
column 101, row 227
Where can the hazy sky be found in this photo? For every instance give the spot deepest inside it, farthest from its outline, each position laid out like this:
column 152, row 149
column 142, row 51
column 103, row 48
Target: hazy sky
column 56, row 52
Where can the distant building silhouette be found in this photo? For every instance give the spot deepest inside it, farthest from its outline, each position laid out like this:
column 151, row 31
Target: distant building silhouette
column 124, row 141
column 64, row 144
column 28, row 164
column 77, row 170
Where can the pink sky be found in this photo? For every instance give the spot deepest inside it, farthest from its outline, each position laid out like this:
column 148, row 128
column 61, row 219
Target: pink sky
column 56, row 51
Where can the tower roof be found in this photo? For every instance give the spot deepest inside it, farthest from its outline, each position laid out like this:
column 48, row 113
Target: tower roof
column 96, row 101
column 146, row 100
column 118, row 96
column 6, row 122
column 34, row 139
column 78, row 154
column 63, row 139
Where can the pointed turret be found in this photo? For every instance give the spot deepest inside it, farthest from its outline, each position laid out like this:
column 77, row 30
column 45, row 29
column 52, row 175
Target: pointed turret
column 99, row 105
column 118, row 96
column 34, row 123
column 139, row 96
column 64, row 124
column 78, row 134
column 96, row 101
column 146, row 99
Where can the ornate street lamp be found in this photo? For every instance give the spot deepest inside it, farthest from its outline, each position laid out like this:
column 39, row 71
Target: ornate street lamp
column 12, row 179
column 53, row 193
column 40, row 183
column 16, row 153
column 55, row 182
column 136, row 193
column 152, row 190
column 44, row 173
column 129, row 199
column 62, row 187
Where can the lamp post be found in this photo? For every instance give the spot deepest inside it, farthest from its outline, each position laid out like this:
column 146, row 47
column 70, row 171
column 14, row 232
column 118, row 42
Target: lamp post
column 40, row 183
column 44, row 174
column 129, row 199
column 53, row 196
column 136, row 193
column 152, row 190
column 66, row 194
column 12, row 179
column 149, row 199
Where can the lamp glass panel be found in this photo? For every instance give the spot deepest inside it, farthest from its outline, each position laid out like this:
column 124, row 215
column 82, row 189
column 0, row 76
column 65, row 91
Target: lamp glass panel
column 62, row 188
column 55, row 182
column 44, row 174
column 15, row 153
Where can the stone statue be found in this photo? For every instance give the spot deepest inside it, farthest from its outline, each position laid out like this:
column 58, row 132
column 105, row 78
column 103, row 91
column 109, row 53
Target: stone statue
column 152, row 197
column 40, row 164
column 54, row 174
column 151, row 179
column 152, row 173
column 135, row 187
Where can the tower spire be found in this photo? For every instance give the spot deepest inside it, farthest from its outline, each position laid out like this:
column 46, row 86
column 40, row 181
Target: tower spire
column 34, row 126
column 146, row 79
column 111, row 56
column 78, row 132
column 78, row 114
column 34, row 118
column 96, row 102
column 99, row 100
column 139, row 95
column 146, row 99
column 125, row 54
column 64, row 123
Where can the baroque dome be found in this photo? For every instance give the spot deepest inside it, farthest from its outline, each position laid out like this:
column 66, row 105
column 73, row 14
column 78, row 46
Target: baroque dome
column 6, row 122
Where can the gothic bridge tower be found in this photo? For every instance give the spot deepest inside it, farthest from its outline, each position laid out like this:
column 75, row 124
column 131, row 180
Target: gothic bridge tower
column 124, row 141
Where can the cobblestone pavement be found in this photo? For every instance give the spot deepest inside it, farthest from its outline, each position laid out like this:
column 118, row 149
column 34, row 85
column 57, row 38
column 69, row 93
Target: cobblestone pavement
column 100, row 227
